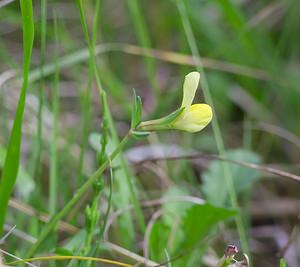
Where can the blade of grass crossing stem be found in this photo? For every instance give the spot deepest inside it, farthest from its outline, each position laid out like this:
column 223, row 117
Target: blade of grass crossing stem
column 12, row 159
column 144, row 39
column 54, row 132
column 216, row 128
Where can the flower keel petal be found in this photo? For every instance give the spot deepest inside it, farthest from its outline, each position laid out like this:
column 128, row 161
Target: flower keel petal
column 198, row 117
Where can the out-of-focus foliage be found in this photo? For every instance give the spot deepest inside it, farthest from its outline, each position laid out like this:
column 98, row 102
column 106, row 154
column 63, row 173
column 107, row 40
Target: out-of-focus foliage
column 250, row 55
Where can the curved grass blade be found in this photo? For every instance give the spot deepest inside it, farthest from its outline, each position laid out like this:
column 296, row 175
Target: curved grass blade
column 12, row 159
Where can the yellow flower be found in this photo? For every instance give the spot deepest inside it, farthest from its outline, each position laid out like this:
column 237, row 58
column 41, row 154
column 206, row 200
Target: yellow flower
column 190, row 118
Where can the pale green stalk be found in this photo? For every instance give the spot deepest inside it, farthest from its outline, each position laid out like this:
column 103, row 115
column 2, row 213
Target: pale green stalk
column 92, row 58
column 76, row 197
column 93, row 214
column 216, row 128
column 54, row 132
column 87, row 95
column 85, row 123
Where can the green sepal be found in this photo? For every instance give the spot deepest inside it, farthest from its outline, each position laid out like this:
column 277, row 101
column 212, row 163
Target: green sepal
column 163, row 123
column 136, row 110
column 139, row 134
column 171, row 117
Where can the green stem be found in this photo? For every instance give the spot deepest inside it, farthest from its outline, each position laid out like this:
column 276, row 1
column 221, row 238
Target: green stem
column 51, row 224
column 54, row 132
column 93, row 64
column 134, row 198
column 216, row 128
column 87, row 95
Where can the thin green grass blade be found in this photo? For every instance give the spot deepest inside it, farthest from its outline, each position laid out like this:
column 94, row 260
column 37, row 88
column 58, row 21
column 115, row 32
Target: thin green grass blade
column 87, row 96
column 39, row 140
column 54, row 133
column 34, row 166
column 215, row 124
column 144, row 39
column 11, row 164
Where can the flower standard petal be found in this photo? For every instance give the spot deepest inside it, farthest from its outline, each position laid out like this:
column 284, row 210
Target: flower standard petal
column 190, row 86
column 198, row 117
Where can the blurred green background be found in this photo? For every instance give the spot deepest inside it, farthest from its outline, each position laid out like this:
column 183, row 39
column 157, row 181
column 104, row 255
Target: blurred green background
column 249, row 51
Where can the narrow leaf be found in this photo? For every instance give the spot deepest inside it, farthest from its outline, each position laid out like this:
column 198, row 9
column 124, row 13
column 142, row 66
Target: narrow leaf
column 139, row 107
column 11, row 164
column 136, row 110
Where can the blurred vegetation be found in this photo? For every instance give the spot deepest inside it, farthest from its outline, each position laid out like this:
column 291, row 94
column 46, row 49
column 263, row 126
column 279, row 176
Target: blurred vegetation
column 165, row 198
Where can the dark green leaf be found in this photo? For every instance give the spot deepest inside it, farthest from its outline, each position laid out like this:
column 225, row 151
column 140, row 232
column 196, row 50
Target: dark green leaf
column 158, row 240
column 199, row 220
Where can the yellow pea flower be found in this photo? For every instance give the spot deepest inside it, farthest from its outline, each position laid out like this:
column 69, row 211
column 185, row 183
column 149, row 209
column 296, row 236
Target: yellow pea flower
column 190, row 118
